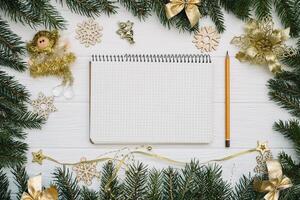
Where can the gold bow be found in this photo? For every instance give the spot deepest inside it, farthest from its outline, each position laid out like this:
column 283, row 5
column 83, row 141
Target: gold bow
column 275, row 183
column 190, row 7
column 35, row 191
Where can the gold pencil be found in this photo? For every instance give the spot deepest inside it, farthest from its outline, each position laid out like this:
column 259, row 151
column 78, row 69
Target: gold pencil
column 227, row 100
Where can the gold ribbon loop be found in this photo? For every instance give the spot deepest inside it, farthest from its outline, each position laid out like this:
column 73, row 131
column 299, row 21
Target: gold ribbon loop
column 35, row 191
column 275, row 183
column 190, row 6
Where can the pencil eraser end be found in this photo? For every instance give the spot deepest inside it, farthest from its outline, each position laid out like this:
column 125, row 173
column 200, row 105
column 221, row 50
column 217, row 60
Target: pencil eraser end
column 227, row 143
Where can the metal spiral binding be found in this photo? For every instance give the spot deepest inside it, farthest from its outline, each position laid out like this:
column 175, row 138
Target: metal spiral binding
column 163, row 58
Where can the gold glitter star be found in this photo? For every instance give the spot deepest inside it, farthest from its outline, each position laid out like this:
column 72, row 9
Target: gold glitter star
column 38, row 157
column 262, row 147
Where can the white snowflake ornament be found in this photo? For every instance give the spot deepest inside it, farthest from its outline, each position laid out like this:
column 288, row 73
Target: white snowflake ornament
column 207, row 39
column 89, row 32
column 43, row 105
column 86, row 171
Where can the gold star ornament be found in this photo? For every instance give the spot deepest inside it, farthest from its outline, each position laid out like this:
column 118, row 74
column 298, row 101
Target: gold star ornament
column 38, row 157
column 262, row 147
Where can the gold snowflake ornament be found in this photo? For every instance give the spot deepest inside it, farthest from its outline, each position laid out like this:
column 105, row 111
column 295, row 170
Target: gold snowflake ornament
column 89, row 33
column 86, row 171
column 207, row 39
column 43, row 105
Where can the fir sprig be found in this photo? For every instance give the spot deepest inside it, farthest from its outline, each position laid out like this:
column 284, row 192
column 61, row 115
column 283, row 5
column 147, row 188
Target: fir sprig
column 263, row 8
column 291, row 130
column 68, row 188
column 110, row 187
column 139, row 8
column 48, row 15
column 89, row 8
column 288, row 12
column 134, row 187
column 154, row 185
column 10, row 43
column 21, row 179
column 170, row 184
column 5, row 193
column 87, row 194
column 244, row 189
column 12, row 61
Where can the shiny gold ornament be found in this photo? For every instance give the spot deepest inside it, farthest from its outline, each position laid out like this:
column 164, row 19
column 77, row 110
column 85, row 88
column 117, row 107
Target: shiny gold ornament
column 263, row 45
column 35, row 191
column 125, row 31
column 190, row 6
column 277, row 181
column 49, row 58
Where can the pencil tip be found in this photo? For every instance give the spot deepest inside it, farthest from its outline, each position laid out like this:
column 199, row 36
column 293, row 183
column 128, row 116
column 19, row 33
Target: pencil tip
column 227, row 53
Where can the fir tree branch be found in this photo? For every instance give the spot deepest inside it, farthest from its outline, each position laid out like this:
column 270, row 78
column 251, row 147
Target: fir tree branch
column 5, row 193
column 21, row 178
column 159, row 8
column 210, row 184
column 48, row 15
column 154, row 185
column 288, row 11
column 290, row 103
column 29, row 120
column 20, row 11
column 170, row 184
column 12, row 90
column 89, row 8
column 10, row 43
column 68, row 188
column 244, row 189
column 290, row 130
column 216, row 14
column 12, row 152
column 291, row 170
column 87, row 194
column 240, row 8
column 186, row 181
column 135, row 182
column 12, row 61
column 139, row 8
column 108, row 7
column 113, row 190
column 263, row 8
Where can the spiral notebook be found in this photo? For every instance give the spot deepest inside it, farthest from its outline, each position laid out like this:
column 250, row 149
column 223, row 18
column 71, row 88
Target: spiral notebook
column 151, row 99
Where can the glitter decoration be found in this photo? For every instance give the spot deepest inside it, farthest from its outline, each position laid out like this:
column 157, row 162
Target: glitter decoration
column 43, row 105
column 207, row 39
column 86, row 171
column 89, row 33
column 125, row 31
column 261, row 160
column 263, row 44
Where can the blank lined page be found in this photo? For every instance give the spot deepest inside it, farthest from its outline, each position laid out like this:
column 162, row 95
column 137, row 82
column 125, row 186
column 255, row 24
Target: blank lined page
column 150, row 102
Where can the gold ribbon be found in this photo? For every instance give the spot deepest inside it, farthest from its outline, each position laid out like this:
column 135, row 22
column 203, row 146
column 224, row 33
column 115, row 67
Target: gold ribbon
column 275, row 183
column 190, row 6
column 35, row 191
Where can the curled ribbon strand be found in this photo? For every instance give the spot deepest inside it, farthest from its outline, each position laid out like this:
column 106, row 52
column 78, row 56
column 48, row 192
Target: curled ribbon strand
column 190, row 6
